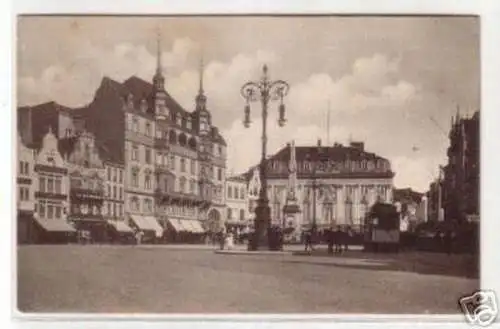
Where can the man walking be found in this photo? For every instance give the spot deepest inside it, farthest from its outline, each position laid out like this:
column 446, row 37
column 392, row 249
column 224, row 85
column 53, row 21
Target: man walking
column 308, row 241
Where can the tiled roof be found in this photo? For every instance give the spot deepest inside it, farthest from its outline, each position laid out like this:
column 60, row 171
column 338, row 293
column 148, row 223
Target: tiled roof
column 333, row 153
column 337, row 153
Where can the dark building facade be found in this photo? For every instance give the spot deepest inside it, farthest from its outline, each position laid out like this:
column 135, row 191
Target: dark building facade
column 462, row 172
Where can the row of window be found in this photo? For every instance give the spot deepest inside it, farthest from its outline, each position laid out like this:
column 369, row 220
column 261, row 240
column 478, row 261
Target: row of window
column 231, row 212
column 115, row 175
column 114, row 192
column 113, row 209
column 135, row 154
column 50, row 184
column 24, row 168
column 235, row 192
column 24, row 193
column 49, row 210
column 182, row 210
column 86, row 183
column 147, row 204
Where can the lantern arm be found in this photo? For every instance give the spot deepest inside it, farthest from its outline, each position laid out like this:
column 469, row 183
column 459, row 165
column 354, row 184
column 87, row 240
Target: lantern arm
column 251, row 91
column 278, row 89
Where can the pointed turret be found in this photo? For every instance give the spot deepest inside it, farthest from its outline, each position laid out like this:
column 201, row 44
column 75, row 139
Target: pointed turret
column 201, row 99
column 158, row 79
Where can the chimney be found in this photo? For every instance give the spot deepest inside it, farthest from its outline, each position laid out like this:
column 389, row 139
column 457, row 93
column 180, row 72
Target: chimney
column 319, row 142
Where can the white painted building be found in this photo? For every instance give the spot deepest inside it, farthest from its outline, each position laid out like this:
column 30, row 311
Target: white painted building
column 349, row 179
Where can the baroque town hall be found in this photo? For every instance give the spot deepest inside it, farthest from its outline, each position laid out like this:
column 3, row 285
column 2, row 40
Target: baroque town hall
column 132, row 158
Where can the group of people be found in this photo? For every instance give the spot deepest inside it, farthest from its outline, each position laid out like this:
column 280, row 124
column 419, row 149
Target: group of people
column 337, row 239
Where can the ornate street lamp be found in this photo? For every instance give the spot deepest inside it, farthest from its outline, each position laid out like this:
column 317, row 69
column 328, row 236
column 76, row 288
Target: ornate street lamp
column 264, row 91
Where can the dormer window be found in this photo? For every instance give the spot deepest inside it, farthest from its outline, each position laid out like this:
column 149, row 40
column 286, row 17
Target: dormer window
column 130, row 101
column 144, row 106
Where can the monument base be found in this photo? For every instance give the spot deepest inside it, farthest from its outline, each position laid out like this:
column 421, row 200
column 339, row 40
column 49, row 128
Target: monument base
column 259, row 240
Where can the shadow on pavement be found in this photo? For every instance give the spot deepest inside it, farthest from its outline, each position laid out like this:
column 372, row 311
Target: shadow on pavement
column 466, row 266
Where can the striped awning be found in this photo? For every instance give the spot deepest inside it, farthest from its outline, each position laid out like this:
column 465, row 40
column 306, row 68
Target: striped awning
column 121, row 226
column 148, row 223
column 176, row 224
column 55, row 225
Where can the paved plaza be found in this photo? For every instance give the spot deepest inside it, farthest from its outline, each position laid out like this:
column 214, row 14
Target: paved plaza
column 194, row 279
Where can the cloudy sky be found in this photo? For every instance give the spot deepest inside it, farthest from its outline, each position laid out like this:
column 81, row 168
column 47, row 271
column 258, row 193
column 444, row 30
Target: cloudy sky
column 392, row 82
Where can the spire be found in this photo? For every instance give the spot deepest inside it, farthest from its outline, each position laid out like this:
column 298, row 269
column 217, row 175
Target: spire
column 200, row 90
column 158, row 53
column 201, row 99
column 158, row 79
column 457, row 118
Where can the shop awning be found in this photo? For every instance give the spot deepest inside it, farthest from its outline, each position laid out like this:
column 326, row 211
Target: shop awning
column 121, row 226
column 55, row 225
column 176, row 224
column 148, row 223
column 197, row 226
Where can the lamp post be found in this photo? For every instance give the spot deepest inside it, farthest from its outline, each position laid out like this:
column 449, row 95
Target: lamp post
column 264, row 91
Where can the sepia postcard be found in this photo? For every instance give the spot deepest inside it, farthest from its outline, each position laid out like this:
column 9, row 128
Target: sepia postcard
column 249, row 164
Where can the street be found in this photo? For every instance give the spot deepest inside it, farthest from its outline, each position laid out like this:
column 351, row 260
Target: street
column 191, row 279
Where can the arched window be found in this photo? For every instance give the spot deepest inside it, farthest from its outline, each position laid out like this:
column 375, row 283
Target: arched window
column 191, row 186
column 147, row 180
column 135, row 177
column 172, row 137
column 192, row 143
column 135, row 124
column 183, row 165
column 148, row 129
column 182, row 185
column 182, row 139
column 144, row 105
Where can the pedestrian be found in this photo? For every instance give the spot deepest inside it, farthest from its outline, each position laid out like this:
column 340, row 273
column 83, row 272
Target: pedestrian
column 222, row 239
column 329, row 239
column 308, row 241
column 338, row 240
column 347, row 237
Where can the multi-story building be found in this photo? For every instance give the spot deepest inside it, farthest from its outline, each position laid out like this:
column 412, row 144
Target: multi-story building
column 347, row 181
column 51, row 192
column 86, row 175
column 174, row 159
column 114, row 191
column 461, row 174
column 191, row 179
column 236, row 202
column 25, row 190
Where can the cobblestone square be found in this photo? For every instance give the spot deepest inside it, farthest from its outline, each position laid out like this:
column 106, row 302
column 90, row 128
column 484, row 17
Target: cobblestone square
column 164, row 279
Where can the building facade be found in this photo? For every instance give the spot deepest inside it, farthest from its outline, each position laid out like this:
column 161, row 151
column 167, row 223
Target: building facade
column 237, row 202
column 114, row 192
column 346, row 180
column 461, row 174
column 51, row 192
column 25, row 190
column 86, row 175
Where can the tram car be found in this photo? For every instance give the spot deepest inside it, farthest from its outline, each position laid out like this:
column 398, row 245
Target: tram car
column 382, row 228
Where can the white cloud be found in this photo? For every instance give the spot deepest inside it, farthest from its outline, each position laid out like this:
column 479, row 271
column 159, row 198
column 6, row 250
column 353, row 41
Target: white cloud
column 372, row 86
